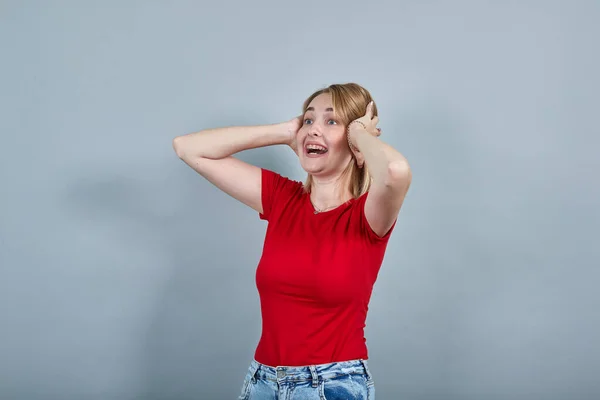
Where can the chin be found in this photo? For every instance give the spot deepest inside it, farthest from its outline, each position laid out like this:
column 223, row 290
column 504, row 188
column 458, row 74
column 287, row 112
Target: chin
column 314, row 170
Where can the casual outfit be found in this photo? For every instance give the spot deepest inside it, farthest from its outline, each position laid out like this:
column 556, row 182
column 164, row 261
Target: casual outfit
column 314, row 279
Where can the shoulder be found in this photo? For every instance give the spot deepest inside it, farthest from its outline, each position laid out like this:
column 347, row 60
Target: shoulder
column 276, row 191
column 272, row 180
column 365, row 227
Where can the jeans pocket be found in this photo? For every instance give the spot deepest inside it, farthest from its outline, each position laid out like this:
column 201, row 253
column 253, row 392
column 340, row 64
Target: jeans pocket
column 344, row 387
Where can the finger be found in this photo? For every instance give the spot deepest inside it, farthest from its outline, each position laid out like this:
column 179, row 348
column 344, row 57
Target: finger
column 369, row 112
column 359, row 158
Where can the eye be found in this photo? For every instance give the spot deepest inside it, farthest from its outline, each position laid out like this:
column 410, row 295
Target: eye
column 307, row 121
column 334, row 121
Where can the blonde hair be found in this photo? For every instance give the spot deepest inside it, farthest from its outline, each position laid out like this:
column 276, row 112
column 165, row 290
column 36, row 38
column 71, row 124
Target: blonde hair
column 350, row 102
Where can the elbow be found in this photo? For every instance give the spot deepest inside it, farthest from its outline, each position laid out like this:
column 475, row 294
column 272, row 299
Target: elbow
column 178, row 146
column 398, row 174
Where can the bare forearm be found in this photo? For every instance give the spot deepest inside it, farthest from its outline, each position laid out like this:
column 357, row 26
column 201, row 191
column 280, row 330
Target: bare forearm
column 219, row 143
column 379, row 156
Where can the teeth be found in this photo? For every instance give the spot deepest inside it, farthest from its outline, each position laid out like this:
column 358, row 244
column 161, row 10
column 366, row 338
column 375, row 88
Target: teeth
column 315, row 147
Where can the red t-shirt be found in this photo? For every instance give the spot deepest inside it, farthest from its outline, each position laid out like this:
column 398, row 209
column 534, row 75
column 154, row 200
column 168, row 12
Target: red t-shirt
column 314, row 278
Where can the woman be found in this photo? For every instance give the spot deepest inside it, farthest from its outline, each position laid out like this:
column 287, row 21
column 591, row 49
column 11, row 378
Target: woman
column 325, row 239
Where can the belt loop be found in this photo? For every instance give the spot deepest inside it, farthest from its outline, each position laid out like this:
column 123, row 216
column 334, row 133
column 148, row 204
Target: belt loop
column 366, row 367
column 315, row 377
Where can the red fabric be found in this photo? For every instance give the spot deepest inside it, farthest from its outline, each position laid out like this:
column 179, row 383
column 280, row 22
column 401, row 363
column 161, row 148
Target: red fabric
column 314, row 278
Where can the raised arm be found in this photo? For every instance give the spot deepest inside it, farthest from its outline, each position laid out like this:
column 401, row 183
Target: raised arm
column 390, row 170
column 209, row 152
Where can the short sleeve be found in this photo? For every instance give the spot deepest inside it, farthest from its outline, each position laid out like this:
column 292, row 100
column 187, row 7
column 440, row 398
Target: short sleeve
column 366, row 229
column 274, row 189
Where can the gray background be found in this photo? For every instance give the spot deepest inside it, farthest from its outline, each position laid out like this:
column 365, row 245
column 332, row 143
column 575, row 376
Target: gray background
column 124, row 275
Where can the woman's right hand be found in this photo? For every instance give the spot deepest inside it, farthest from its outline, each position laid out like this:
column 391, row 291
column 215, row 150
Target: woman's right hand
column 292, row 127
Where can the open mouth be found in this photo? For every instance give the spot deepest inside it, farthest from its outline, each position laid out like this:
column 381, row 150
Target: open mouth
column 315, row 150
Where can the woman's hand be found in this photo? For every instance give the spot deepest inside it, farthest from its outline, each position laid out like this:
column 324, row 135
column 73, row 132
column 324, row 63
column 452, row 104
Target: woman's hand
column 291, row 128
column 370, row 124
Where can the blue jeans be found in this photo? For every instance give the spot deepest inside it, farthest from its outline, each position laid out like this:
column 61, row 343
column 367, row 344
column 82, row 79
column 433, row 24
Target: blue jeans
column 348, row 380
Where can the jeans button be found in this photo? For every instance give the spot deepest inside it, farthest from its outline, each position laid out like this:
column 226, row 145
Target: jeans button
column 280, row 373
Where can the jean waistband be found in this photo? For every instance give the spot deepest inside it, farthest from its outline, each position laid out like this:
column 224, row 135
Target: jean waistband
column 309, row 372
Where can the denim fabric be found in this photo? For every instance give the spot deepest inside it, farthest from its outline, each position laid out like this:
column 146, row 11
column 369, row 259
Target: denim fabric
column 347, row 380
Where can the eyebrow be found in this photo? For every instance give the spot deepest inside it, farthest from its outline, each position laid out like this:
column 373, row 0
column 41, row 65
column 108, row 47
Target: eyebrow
column 313, row 109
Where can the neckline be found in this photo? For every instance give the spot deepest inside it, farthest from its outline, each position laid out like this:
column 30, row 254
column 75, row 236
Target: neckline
column 315, row 212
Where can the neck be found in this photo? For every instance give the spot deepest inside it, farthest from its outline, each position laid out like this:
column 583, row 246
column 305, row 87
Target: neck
column 328, row 193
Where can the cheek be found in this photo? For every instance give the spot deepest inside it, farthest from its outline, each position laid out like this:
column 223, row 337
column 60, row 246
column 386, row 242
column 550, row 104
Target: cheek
column 339, row 142
column 302, row 131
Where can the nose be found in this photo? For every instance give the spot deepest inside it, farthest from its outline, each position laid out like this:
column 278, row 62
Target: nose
column 314, row 130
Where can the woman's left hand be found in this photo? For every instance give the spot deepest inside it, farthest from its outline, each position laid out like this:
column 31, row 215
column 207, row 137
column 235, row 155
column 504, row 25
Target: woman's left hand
column 370, row 124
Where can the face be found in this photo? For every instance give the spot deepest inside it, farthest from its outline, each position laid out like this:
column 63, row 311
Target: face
column 322, row 138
